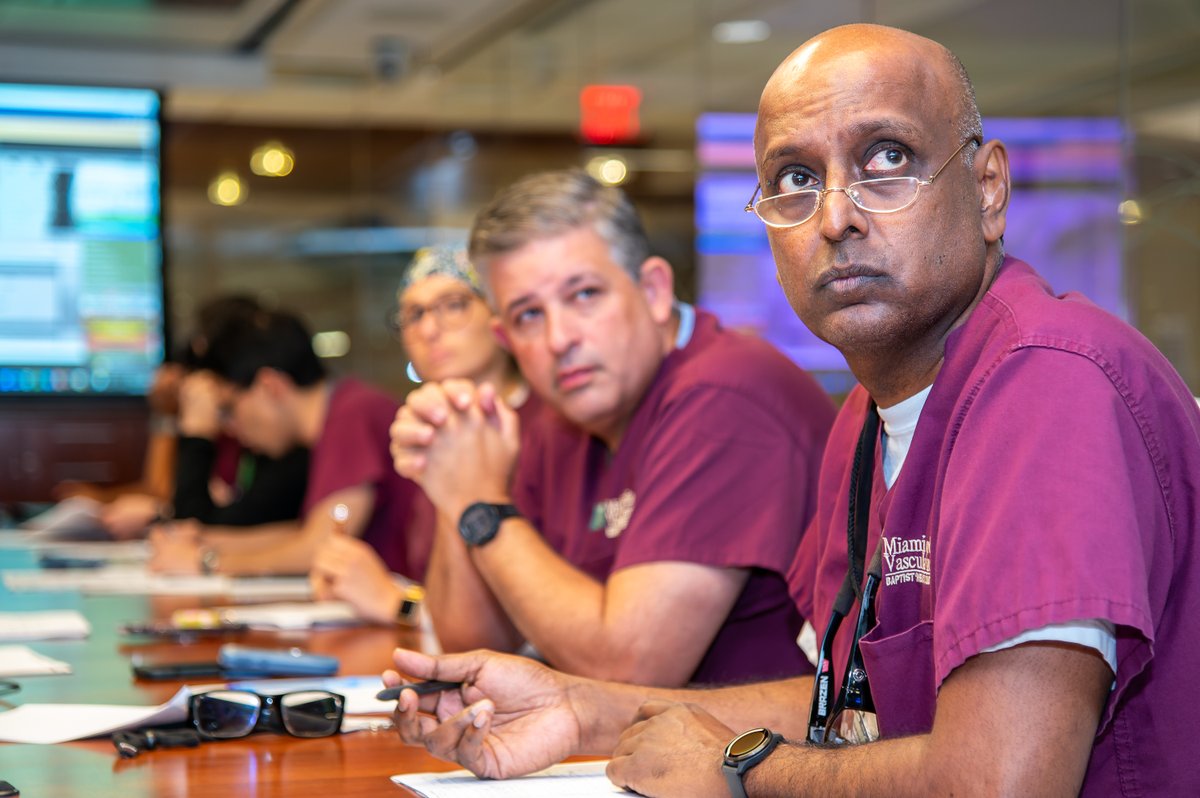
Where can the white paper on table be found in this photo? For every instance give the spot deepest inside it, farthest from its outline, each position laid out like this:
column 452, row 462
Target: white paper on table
column 292, row 615
column 43, row 625
column 362, row 710
column 568, row 780
column 77, row 518
column 110, row 579
column 259, row 588
column 359, row 691
column 110, row 551
column 24, row 661
column 60, row 723
column 50, row 724
column 137, row 580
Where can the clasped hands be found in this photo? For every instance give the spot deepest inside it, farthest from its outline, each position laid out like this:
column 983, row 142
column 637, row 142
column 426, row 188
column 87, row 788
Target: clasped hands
column 458, row 441
column 176, row 547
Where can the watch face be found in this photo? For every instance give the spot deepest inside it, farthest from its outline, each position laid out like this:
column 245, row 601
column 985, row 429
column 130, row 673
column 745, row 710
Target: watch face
column 479, row 523
column 747, row 743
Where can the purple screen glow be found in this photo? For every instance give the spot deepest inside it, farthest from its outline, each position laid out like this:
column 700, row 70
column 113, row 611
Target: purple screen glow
column 1062, row 220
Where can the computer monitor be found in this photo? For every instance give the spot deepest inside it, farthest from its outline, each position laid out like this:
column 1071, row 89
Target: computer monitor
column 81, row 277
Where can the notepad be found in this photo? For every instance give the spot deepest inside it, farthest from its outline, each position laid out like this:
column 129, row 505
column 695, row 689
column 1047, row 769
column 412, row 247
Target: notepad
column 43, row 625
column 24, row 661
column 291, row 615
column 136, row 580
column 568, row 780
column 59, row 723
column 49, row 724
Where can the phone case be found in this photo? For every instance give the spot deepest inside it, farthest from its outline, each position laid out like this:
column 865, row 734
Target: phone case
column 237, row 659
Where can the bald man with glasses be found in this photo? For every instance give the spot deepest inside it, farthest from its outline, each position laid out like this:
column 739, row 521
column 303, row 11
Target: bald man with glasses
column 1003, row 570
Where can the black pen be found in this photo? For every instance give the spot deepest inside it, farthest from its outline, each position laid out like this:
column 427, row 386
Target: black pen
column 420, row 688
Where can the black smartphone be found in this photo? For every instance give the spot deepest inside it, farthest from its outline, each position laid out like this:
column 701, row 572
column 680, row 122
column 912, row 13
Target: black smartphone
column 52, row 560
column 183, row 633
column 165, row 671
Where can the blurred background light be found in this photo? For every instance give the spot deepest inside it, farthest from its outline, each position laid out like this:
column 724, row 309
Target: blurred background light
column 1130, row 212
column 611, row 170
column 741, row 31
column 331, row 343
column 227, row 189
column 272, row 160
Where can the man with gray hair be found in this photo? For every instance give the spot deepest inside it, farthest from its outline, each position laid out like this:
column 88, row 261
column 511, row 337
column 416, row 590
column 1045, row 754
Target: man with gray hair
column 643, row 532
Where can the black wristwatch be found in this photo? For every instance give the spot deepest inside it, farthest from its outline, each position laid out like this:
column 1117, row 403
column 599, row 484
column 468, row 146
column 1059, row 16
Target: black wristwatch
column 744, row 752
column 481, row 521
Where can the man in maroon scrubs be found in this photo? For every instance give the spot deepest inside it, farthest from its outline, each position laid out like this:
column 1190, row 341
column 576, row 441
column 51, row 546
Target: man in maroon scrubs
column 656, row 509
column 1020, row 526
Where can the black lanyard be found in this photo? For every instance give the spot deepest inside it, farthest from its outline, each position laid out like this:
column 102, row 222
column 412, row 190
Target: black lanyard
column 856, row 692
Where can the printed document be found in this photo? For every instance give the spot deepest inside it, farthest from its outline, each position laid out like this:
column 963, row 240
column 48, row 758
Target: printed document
column 24, row 661
column 568, row 780
column 43, row 625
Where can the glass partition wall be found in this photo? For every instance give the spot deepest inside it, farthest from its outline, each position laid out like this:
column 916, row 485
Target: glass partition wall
column 329, row 239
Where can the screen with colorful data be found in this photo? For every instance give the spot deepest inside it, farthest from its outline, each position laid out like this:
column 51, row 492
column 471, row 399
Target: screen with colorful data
column 81, row 285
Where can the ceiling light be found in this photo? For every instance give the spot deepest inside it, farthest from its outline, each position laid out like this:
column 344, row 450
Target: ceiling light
column 741, row 31
column 227, row 189
column 272, row 160
column 332, row 343
column 611, row 170
column 1130, row 212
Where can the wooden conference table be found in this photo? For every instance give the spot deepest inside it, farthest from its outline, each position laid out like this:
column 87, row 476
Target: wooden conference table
column 355, row 764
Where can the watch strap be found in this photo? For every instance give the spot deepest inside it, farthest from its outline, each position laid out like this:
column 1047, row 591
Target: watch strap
column 733, row 778
column 468, row 523
column 735, row 767
column 409, row 611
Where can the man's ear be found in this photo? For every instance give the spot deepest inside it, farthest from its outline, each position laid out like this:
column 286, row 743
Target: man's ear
column 658, row 287
column 500, row 334
column 991, row 170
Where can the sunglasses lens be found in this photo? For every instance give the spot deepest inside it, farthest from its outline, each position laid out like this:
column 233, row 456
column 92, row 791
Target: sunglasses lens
column 852, row 727
column 225, row 714
column 312, row 714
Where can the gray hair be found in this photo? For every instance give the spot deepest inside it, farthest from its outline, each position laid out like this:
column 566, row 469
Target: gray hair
column 967, row 119
column 551, row 204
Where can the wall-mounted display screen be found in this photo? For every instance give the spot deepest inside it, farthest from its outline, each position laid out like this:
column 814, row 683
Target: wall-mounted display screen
column 81, row 290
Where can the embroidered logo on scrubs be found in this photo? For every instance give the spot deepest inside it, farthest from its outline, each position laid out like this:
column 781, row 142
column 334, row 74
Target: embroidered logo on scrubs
column 906, row 560
column 613, row 514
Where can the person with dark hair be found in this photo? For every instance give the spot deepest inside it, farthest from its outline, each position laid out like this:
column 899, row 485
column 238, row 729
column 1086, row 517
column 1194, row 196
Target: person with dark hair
column 638, row 532
column 192, row 469
column 1003, row 567
column 274, row 395
column 217, row 480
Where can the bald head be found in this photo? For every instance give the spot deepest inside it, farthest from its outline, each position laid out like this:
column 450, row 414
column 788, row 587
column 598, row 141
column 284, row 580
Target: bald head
column 884, row 235
column 937, row 73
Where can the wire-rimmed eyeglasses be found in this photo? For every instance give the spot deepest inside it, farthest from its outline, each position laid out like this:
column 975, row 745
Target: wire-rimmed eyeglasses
column 877, row 195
